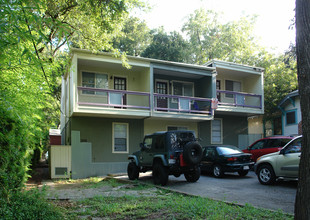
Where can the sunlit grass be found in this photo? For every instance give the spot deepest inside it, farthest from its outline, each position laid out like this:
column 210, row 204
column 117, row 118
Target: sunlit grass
column 167, row 205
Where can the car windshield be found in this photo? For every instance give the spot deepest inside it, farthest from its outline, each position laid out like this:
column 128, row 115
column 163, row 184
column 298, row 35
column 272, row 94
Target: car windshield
column 227, row 150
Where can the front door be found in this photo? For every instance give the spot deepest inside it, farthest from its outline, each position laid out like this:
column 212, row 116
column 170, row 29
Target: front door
column 162, row 88
column 120, row 84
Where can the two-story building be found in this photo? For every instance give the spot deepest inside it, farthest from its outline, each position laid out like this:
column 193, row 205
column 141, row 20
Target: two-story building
column 106, row 109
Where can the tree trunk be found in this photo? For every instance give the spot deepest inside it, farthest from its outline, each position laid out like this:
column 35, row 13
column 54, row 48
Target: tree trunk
column 302, row 203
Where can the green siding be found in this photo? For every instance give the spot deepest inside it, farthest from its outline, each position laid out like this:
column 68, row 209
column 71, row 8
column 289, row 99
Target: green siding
column 232, row 127
column 98, row 132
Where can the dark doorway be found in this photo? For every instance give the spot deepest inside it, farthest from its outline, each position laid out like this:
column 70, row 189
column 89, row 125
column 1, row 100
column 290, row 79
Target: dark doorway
column 120, row 83
column 162, row 88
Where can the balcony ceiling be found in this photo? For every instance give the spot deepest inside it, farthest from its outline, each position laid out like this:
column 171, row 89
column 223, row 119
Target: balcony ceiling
column 178, row 74
column 235, row 73
column 107, row 65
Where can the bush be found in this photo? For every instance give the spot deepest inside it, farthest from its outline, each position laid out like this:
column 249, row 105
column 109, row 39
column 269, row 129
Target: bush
column 28, row 205
column 14, row 151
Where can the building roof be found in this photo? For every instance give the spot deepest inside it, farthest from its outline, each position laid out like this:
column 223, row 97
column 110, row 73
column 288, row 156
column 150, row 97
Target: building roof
column 149, row 60
column 289, row 96
column 231, row 65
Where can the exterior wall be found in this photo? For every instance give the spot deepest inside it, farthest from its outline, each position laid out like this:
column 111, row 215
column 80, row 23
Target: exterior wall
column 232, row 127
column 91, row 137
column 291, row 129
column 60, row 160
column 153, row 125
column 256, row 125
column 98, row 133
column 82, row 165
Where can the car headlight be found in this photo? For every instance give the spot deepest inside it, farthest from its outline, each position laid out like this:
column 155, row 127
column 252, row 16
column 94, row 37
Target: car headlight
column 258, row 159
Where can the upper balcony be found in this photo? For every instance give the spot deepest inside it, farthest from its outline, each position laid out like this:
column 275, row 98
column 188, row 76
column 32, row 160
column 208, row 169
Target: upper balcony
column 239, row 88
column 138, row 104
column 98, row 85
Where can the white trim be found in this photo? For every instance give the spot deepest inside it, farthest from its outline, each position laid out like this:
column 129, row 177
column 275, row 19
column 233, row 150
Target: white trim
column 221, row 120
column 127, row 138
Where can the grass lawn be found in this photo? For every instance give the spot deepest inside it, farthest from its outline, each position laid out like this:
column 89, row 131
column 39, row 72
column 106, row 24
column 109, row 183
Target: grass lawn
column 163, row 204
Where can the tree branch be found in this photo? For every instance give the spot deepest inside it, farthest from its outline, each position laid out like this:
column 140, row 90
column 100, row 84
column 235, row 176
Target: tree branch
column 34, row 45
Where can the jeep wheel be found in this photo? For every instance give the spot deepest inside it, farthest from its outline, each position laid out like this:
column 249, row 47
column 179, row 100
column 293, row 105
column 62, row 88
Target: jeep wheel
column 160, row 174
column 192, row 153
column 218, row 171
column 193, row 175
column 132, row 171
column 266, row 175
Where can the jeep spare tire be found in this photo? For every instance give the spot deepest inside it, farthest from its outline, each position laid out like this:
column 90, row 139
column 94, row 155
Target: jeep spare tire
column 192, row 153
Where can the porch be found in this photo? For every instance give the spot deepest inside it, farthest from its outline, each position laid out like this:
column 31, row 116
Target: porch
column 124, row 102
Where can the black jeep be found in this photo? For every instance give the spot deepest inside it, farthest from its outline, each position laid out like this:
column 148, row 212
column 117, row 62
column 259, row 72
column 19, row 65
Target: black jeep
column 167, row 153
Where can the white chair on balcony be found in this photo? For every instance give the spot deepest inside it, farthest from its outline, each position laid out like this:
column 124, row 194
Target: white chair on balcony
column 115, row 98
column 184, row 104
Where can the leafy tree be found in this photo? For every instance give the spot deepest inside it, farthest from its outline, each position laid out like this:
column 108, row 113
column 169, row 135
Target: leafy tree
column 165, row 46
column 280, row 78
column 135, row 37
column 302, row 205
column 209, row 39
column 34, row 39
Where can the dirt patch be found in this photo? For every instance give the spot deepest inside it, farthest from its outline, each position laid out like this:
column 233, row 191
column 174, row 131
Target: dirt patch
column 79, row 190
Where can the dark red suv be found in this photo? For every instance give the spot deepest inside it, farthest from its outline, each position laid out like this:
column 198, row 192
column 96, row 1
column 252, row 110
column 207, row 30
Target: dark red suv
column 267, row 145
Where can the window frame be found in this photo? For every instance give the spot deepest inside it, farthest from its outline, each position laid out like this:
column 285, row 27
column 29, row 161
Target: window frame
column 221, row 122
column 231, row 96
column 127, row 138
column 183, row 82
column 175, row 100
column 95, row 73
column 295, row 116
column 178, row 128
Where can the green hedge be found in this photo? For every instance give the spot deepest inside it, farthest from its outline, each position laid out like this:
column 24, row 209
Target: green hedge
column 14, row 151
column 28, row 205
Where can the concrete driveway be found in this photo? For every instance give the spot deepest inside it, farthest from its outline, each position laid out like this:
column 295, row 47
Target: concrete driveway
column 239, row 190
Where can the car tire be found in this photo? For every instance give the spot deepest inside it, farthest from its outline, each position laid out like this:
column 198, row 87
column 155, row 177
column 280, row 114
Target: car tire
column 243, row 172
column 192, row 153
column 160, row 174
column 217, row 171
column 132, row 171
column 266, row 175
column 193, row 175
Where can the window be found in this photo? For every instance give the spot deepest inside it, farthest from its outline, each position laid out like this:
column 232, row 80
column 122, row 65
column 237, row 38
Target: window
column 216, row 131
column 120, row 138
column 258, row 145
column 294, row 147
column 148, row 142
column 232, row 86
column 95, row 80
column 276, row 143
column 291, row 117
column 176, row 128
column 183, row 88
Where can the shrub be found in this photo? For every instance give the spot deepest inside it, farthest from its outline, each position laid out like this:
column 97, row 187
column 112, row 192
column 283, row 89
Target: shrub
column 28, row 205
column 14, row 151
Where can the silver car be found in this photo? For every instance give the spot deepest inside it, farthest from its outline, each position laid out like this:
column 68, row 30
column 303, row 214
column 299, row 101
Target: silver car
column 283, row 164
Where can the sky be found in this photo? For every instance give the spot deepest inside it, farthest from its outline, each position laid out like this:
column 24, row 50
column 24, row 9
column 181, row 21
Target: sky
column 272, row 26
